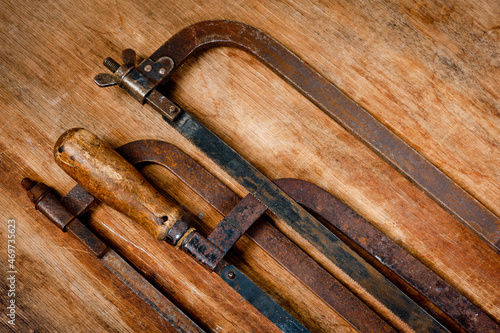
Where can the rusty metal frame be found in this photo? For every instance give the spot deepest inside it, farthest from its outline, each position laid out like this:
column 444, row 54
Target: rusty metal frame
column 356, row 120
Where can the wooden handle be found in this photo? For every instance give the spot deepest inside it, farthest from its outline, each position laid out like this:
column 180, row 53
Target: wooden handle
column 111, row 179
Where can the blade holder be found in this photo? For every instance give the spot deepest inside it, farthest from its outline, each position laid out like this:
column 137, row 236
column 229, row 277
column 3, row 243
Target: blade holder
column 141, row 81
column 334, row 103
column 210, row 251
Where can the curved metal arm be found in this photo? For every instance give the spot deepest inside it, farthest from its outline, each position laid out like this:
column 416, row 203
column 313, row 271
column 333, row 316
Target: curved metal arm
column 439, row 187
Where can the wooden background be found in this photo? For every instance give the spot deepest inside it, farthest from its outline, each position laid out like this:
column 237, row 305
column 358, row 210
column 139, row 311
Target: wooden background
column 428, row 70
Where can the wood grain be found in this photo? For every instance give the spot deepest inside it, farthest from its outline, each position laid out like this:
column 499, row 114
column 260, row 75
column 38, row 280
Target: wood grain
column 427, row 70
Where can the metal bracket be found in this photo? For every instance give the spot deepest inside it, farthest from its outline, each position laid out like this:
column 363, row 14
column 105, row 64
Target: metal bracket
column 141, row 81
column 66, row 216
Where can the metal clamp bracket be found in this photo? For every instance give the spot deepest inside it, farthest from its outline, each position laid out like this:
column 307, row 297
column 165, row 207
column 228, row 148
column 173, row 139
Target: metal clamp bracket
column 141, row 81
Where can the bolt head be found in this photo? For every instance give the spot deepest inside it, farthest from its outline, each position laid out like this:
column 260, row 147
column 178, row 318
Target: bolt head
column 162, row 71
column 148, row 68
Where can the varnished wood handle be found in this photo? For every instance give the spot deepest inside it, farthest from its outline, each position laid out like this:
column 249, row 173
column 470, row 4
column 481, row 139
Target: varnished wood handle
column 111, row 179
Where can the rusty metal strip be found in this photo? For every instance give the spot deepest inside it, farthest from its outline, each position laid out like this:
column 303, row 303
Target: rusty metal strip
column 147, row 292
column 404, row 267
column 236, row 223
column 281, row 248
column 261, row 301
column 410, row 163
column 78, row 200
column 47, row 201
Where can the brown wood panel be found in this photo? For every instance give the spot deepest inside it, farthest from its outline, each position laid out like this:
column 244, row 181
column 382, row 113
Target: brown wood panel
column 427, row 70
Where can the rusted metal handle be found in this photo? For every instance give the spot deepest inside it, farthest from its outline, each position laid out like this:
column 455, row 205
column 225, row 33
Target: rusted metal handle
column 114, row 181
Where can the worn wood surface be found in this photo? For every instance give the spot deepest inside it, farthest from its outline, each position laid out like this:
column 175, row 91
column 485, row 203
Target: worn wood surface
column 428, row 70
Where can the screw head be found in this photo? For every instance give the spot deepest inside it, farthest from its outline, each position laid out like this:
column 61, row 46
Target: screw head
column 162, row 71
column 231, row 275
column 148, row 68
column 171, row 108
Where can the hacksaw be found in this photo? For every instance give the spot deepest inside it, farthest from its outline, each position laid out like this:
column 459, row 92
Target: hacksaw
column 143, row 82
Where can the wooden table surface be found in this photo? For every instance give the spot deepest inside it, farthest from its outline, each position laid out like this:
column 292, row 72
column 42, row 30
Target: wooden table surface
column 430, row 71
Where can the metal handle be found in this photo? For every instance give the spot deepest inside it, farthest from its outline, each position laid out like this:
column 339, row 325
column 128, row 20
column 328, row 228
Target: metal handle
column 111, row 179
